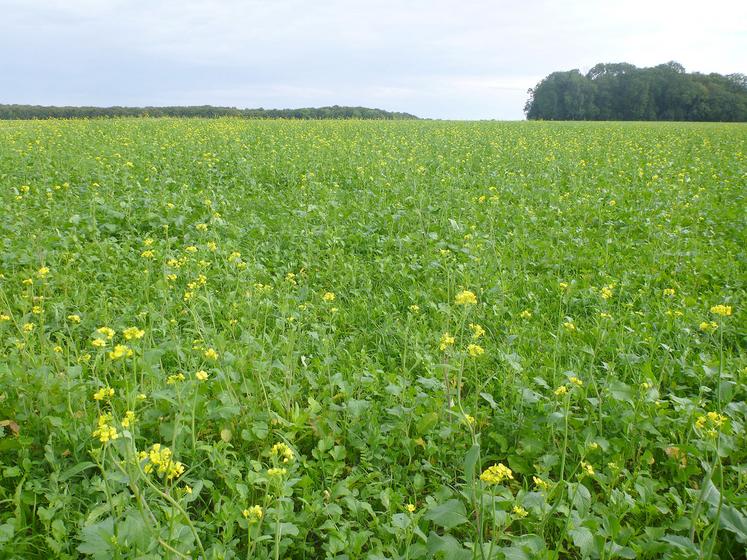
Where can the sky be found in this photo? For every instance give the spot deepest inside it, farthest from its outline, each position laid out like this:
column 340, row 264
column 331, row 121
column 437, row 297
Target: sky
column 460, row 59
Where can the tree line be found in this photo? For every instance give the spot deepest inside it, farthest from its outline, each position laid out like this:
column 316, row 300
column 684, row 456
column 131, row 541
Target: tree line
column 624, row 92
column 26, row 112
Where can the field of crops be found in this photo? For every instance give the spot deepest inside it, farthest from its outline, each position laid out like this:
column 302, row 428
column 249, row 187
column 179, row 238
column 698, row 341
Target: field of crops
column 375, row 340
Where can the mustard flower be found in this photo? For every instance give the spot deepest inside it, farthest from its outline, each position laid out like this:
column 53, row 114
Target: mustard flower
column 722, row 310
column 446, row 341
column 133, row 333
column 103, row 393
column 475, row 350
column 465, row 297
column 519, row 512
column 496, row 474
column 282, row 451
column 477, row 330
column 253, row 514
column 121, row 351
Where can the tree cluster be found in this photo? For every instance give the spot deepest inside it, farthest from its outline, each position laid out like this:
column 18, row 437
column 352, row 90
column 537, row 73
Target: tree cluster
column 25, row 112
column 624, row 92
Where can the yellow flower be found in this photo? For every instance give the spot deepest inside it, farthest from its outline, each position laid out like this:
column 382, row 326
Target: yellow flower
column 576, row 381
column 281, row 450
column 707, row 326
column 212, row 245
column 475, row 350
column 496, row 474
column 606, row 292
column 723, row 310
column 276, row 472
column 414, row 308
column 4, row 317
column 587, row 468
column 172, row 379
column 569, row 326
column 160, row 459
column 563, row 285
column 201, row 375
column 42, row 272
column 519, row 511
column 713, row 421
column 171, row 277
column 133, row 333
column 560, row 391
column 191, row 249
column 107, row 332
column 716, row 418
column 36, row 310
column 291, row 278
column 477, row 330
column 104, row 430
column 120, row 351
column 465, row 297
column 103, row 393
column 446, row 341
column 28, row 281
column 669, row 292
column 147, row 241
column 211, row 354
column 98, row 342
column 540, row 484
column 147, row 254
column 526, row 314
column 328, row 296
column 28, row 327
column 201, row 227
column 129, row 419
column 410, row 508
column 253, row 514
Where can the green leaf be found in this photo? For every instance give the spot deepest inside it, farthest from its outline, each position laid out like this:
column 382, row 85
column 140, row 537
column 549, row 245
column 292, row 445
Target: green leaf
column 288, row 529
column 96, row 540
column 448, row 515
column 426, row 423
column 734, row 521
column 446, row 548
column 76, row 469
column 583, row 539
column 470, row 459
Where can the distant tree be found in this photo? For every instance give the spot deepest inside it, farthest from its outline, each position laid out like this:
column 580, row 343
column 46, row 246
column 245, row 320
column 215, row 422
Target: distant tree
column 15, row 112
column 621, row 91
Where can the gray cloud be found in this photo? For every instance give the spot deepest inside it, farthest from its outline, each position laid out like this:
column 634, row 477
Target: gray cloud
column 436, row 58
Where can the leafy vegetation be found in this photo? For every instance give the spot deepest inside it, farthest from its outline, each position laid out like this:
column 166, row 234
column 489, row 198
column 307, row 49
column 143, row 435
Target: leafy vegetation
column 24, row 112
column 382, row 340
column 624, row 92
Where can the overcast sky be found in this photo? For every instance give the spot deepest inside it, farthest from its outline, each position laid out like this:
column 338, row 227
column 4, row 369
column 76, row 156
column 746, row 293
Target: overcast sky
column 463, row 59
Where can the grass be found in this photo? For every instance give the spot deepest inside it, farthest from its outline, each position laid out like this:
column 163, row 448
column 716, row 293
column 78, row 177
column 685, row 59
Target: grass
column 381, row 340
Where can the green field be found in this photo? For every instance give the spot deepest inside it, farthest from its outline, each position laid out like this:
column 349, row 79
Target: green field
column 376, row 340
